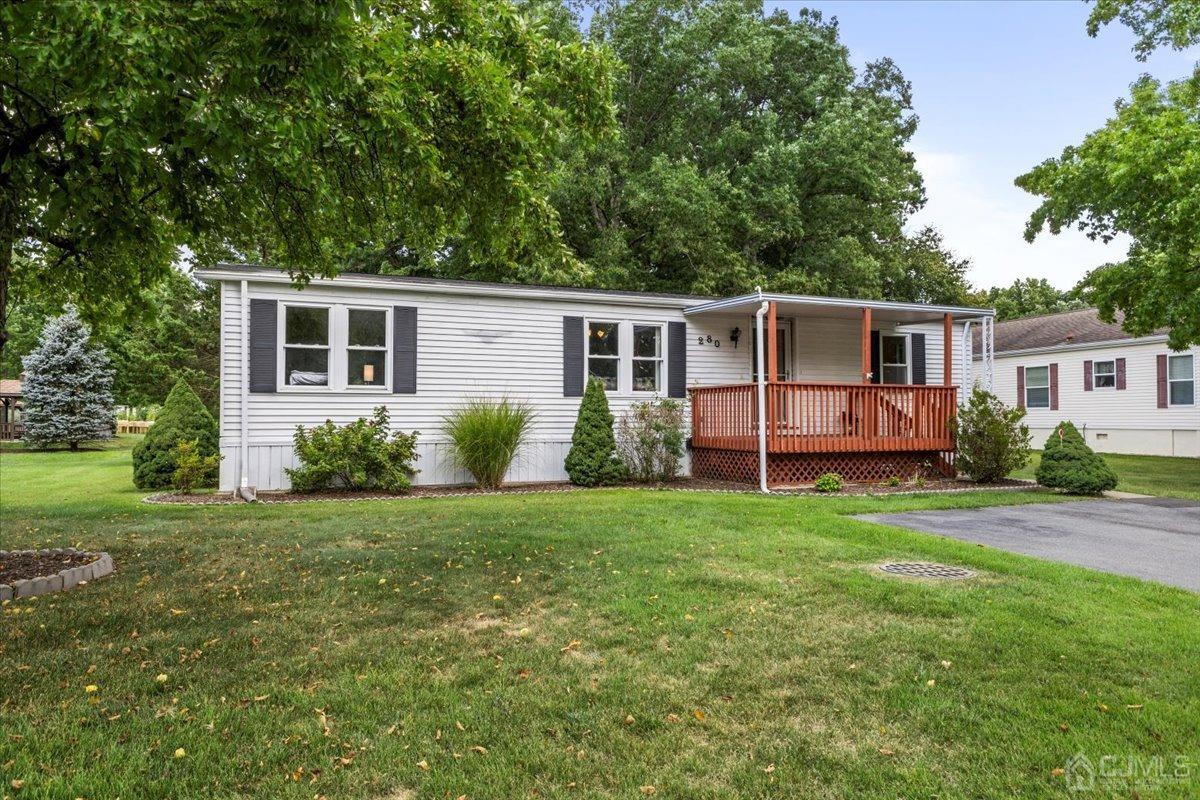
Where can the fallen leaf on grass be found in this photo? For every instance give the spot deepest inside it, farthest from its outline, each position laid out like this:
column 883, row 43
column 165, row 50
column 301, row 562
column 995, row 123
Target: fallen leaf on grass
column 423, row 764
column 571, row 645
column 700, row 715
column 478, row 748
column 648, row 789
column 769, row 768
column 1058, row 772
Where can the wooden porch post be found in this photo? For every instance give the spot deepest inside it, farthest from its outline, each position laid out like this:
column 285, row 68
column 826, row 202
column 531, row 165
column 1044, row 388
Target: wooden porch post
column 866, row 345
column 772, row 347
column 947, row 349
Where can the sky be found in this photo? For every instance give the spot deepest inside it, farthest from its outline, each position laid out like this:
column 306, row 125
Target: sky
column 999, row 87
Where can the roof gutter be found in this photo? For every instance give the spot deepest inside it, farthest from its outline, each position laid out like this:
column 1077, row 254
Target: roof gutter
column 837, row 302
column 1055, row 348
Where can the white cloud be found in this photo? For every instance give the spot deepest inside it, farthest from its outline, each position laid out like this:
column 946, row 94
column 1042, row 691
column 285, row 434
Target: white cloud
column 983, row 218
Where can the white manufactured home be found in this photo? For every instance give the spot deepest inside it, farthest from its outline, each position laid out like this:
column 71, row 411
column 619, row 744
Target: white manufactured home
column 859, row 387
column 1125, row 394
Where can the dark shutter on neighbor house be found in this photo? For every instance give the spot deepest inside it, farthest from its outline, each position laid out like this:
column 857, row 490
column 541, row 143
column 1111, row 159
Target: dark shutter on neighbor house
column 1162, row 381
column 573, row 356
column 1054, row 387
column 677, row 359
column 1087, row 376
column 876, row 369
column 918, row 358
column 1020, row 387
column 404, row 350
column 264, row 331
column 1120, row 373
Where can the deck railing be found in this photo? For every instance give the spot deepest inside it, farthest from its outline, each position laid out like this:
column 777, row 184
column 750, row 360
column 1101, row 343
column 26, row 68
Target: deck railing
column 11, row 430
column 825, row 417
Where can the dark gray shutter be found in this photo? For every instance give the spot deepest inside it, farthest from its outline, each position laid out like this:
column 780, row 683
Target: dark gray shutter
column 573, row 357
column 404, row 349
column 876, row 355
column 1121, row 374
column 1087, row 376
column 918, row 359
column 264, row 331
column 677, row 359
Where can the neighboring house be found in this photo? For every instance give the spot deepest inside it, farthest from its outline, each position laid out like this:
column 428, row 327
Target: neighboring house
column 10, row 409
column 1126, row 394
column 859, row 387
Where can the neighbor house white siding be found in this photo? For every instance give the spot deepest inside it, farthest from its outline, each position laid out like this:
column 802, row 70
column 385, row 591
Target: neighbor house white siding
column 1112, row 420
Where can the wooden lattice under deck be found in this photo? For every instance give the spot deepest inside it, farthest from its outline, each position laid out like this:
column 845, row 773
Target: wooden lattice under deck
column 791, row 469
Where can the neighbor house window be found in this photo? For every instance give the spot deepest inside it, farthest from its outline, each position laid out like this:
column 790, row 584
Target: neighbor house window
column 1037, row 387
column 604, row 353
column 1181, row 380
column 1104, row 374
column 647, row 358
column 306, row 346
column 366, row 347
column 894, row 358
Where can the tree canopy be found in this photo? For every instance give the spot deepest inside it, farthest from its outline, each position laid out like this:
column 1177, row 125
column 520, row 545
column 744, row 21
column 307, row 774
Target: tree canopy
column 1026, row 297
column 289, row 133
column 1138, row 176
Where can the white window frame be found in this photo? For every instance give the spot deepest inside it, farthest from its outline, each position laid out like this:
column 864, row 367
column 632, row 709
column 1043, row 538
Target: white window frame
column 661, row 359
column 1095, row 374
column 282, row 348
column 619, row 358
column 1046, row 387
column 907, row 358
column 387, row 347
column 1191, row 380
column 338, row 347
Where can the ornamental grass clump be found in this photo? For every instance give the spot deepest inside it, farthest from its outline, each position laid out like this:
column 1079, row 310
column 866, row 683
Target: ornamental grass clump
column 356, row 457
column 593, row 460
column 485, row 436
column 1069, row 464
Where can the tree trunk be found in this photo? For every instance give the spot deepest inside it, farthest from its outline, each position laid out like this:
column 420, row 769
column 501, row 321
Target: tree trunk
column 8, row 238
column 74, row 446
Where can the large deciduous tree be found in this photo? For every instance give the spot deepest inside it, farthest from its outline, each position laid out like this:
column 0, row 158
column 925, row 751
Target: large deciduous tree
column 1026, row 297
column 1138, row 175
column 284, row 132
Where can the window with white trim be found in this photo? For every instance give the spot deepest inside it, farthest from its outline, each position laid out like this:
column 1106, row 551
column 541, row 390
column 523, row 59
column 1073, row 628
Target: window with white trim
column 1181, row 380
column 604, row 353
column 306, row 345
column 1037, row 387
column 366, row 346
column 893, row 360
column 647, row 358
column 1104, row 374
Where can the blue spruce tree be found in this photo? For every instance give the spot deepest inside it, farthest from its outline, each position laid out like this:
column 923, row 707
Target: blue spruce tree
column 67, row 386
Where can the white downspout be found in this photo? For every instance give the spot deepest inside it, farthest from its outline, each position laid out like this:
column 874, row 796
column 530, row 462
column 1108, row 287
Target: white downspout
column 243, row 406
column 762, row 398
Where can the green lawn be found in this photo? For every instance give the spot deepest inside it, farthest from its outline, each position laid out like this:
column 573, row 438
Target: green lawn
column 1158, row 475
column 571, row 645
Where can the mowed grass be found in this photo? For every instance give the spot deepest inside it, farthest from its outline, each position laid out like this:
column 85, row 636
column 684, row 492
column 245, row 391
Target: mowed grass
column 583, row 645
column 1157, row 475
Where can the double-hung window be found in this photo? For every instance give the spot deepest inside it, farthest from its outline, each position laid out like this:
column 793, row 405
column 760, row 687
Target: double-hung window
column 306, row 346
column 604, row 353
column 893, row 358
column 1181, row 380
column 366, row 346
column 1104, row 374
column 1037, row 387
column 647, row 358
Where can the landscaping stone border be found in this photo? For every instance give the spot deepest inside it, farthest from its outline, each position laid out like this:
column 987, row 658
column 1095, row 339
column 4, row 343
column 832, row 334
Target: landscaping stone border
column 60, row 581
column 285, row 498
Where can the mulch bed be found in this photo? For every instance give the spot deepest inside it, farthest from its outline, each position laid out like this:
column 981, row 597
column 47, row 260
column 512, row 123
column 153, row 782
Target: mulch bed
column 683, row 484
column 24, row 566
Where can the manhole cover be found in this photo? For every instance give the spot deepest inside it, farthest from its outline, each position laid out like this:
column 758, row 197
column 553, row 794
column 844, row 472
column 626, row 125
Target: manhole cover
column 921, row 569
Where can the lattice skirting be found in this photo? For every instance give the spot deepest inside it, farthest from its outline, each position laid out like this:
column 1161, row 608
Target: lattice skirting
column 788, row 469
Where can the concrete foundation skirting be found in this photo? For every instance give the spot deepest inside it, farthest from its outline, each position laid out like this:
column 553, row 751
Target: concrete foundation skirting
column 101, row 566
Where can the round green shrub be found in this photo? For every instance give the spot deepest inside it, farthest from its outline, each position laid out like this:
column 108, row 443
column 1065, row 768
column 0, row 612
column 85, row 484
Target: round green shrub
column 182, row 418
column 1069, row 464
column 829, row 482
column 592, row 460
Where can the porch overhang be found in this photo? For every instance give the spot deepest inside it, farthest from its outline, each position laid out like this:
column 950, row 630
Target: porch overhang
column 837, row 307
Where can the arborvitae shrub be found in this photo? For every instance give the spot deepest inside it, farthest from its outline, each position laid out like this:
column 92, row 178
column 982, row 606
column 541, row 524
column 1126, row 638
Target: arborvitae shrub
column 1069, row 464
column 592, row 460
column 991, row 438
column 183, row 418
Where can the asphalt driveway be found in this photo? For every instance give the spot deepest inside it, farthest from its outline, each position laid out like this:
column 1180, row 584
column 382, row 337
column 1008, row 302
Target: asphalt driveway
column 1154, row 538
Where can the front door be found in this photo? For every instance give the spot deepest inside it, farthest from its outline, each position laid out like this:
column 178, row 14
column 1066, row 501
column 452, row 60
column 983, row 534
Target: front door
column 783, row 349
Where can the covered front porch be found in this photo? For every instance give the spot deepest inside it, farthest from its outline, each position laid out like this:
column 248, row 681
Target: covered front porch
column 868, row 409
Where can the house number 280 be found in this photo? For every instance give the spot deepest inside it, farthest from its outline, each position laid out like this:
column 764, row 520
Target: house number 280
column 703, row 340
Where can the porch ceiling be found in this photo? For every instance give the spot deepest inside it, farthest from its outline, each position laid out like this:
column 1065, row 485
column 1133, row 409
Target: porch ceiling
column 837, row 307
